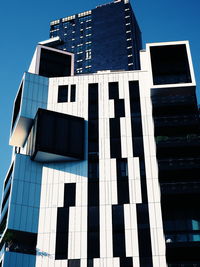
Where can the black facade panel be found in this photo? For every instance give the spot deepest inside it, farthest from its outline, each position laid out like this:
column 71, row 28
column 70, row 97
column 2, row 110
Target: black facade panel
column 115, row 138
column 73, row 93
column 62, row 93
column 57, row 136
column 93, row 224
column 62, row 229
column 119, row 246
column 74, row 263
column 69, row 195
column 126, row 262
column 113, row 90
column 54, row 64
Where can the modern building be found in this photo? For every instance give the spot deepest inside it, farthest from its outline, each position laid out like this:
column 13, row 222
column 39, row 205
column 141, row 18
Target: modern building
column 105, row 38
column 105, row 166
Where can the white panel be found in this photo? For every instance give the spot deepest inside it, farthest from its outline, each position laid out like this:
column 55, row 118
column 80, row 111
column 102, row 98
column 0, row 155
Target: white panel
column 136, row 262
column 83, row 245
column 77, row 245
column 111, row 109
column 114, row 200
column 78, row 194
column 83, row 263
column 72, row 219
column 134, row 232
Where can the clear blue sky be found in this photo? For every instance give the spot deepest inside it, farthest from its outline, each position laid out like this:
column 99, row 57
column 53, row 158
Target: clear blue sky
column 24, row 23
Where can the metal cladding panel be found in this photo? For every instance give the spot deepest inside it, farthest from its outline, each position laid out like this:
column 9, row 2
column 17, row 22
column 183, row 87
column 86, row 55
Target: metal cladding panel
column 32, row 95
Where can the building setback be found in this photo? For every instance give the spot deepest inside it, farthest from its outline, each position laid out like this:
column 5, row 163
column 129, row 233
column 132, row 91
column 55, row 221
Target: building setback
column 105, row 38
column 104, row 171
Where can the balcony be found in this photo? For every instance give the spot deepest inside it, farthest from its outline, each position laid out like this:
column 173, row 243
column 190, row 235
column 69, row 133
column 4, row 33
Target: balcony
column 170, row 64
column 178, row 146
column 183, row 251
column 180, row 188
column 179, row 164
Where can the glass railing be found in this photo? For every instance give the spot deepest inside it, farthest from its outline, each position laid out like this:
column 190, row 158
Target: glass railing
column 182, row 237
column 193, row 138
column 180, row 188
column 186, row 163
column 177, row 120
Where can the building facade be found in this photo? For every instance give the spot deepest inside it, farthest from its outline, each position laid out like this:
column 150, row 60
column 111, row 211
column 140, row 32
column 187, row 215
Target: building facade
column 105, row 38
column 105, row 166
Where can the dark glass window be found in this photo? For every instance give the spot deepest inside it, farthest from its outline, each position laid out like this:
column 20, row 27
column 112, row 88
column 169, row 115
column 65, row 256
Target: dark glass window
column 73, row 93
column 115, row 141
column 122, row 168
column 17, row 105
column 93, row 245
column 62, row 230
column 93, row 192
column 93, row 219
column 123, row 191
column 118, row 231
column 119, row 108
column 113, row 90
column 93, row 169
column 69, row 195
column 62, row 93
column 170, row 64
column 73, row 263
column 126, row 262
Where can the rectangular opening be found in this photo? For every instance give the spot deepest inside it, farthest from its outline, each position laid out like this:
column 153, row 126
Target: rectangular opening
column 73, row 93
column 8, row 176
column 17, row 105
column 170, row 64
column 62, row 93
column 54, row 64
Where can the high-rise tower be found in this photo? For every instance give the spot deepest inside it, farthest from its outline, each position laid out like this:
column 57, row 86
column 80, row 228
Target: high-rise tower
column 105, row 38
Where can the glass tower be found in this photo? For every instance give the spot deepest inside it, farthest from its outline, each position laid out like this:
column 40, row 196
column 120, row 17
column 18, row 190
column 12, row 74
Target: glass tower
column 105, row 38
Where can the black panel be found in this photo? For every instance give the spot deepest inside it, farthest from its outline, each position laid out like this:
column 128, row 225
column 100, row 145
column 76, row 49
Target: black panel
column 17, row 105
column 69, row 195
column 126, row 262
column 74, row 263
column 57, row 134
column 113, row 90
column 115, row 138
column 73, row 93
column 54, row 64
column 93, row 192
column 170, row 64
column 119, row 108
column 144, row 236
column 122, row 182
column 93, row 233
column 119, row 247
column 62, row 93
column 123, row 191
column 62, row 229
column 90, row 263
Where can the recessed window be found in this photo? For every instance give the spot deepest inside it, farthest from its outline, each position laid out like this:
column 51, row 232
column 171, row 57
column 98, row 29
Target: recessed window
column 73, row 93
column 62, row 93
